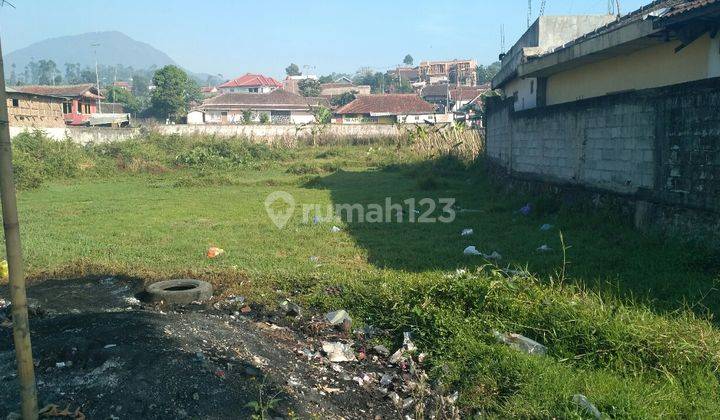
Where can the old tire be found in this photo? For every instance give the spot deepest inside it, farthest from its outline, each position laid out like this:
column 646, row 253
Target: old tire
column 179, row 291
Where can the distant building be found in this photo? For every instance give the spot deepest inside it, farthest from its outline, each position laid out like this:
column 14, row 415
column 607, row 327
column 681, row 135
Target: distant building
column 342, row 86
column 292, row 83
column 79, row 101
column 279, row 106
column 459, row 72
column 388, row 109
column 250, row 83
column 406, row 74
column 34, row 110
column 208, row 91
column 457, row 97
column 123, row 85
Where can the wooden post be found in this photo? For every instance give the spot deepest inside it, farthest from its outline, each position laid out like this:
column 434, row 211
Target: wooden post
column 21, row 325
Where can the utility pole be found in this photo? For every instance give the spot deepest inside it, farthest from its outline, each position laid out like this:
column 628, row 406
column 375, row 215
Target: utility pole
column 21, row 324
column 97, row 78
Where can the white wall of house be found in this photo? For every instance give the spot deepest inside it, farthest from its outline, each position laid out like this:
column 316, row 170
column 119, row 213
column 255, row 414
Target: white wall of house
column 525, row 91
column 236, row 117
column 196, row 117
column 302, row 117
column 422, row 118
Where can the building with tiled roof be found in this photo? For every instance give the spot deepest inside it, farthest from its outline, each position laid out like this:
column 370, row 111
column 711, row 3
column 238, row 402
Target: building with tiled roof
column 79, row 101
column 278, row 106
column 250, row 83
column 386, row 109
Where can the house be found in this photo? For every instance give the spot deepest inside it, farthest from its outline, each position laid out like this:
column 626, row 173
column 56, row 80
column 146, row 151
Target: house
column 463, row 72
column 208, row 91
column 79, row 101
column 661, row 44
column 250, row 83
column 457, row 97
column 620, row 108
column 279, row 107
column 123, row 85
column 388, row 109
column 34, row 110
column 341, row 87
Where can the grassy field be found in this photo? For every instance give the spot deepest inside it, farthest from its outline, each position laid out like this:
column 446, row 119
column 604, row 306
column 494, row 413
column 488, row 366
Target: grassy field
column 628, row 318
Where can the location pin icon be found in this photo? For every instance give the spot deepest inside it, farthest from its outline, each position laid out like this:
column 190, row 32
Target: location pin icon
column 280, row 206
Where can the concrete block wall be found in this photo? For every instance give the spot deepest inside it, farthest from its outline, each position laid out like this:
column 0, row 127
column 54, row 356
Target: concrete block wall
column 656, row 145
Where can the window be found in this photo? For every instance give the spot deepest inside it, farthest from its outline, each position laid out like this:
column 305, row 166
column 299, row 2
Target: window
column 532, row 87
column 67, row 107
column 16, row 103
column 253, row 90
column 87, row 108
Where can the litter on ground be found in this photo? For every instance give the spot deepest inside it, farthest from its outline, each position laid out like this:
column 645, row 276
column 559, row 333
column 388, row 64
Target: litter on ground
column 338, row 352
column 214, row 252
column 546, row 227
column 335, row 229
column 583, row 402
column 544, row 248
column 522, row 343
column 337, row 317
column 467, row 232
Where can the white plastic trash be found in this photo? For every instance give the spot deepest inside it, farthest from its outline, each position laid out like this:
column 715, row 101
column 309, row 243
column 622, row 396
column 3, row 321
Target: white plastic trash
column 546, row 227
column 544, row 248
column 335, row 229
column 471, row 250
column 583, row 402
column 467, row 232
column 522, row 343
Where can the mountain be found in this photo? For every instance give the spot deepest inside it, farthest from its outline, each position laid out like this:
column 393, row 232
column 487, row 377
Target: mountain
column 115, row 48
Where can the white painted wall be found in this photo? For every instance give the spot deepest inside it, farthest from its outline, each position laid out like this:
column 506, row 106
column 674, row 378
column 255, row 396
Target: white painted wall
column 526, row 90
column 195, row 117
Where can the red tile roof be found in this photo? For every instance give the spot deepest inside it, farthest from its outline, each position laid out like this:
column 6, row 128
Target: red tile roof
column 251, row 80
column 394, row 104
column 62, row 91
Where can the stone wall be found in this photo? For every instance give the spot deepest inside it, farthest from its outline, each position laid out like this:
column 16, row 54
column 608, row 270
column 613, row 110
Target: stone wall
column 656, row 147
column 34, row 111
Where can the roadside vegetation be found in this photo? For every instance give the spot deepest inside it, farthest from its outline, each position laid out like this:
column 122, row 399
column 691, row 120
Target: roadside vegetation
column 628, row 318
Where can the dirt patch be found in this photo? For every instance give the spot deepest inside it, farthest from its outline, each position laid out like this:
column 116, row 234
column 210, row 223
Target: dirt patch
column 98, row 349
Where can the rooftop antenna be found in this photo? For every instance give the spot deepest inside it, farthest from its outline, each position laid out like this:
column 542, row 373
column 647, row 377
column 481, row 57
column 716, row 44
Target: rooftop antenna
column 502, row 39
column 529, row 14
column 97, row 76
column 543, row 3
column 13, row 249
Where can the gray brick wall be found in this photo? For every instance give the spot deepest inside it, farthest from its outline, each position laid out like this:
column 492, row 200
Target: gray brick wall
column 658, row 144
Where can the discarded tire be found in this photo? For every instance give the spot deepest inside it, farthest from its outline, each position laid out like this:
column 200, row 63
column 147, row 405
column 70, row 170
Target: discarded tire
column 180, row 291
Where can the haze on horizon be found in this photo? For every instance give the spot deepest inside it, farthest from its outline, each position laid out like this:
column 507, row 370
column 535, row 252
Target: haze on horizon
column 231, row 39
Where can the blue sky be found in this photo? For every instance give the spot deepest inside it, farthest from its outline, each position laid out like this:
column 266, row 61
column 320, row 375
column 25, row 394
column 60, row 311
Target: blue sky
column 234, row 37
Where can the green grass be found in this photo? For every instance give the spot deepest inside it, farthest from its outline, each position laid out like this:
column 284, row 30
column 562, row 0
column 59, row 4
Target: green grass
column 630, row 323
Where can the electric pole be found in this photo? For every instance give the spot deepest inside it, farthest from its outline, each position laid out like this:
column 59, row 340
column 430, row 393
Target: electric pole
column 18, row 297
column 97, row 78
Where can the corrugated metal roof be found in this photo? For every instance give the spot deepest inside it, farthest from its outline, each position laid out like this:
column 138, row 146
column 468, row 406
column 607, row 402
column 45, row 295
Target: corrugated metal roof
column 276, row 99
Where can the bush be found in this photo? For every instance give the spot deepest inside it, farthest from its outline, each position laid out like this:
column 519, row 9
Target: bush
column 38, row 158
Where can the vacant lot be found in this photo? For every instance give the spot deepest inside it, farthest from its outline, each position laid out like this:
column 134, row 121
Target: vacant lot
column 627, row 318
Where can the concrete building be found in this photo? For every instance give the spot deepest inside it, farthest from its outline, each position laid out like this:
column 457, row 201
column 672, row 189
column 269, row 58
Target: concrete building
column 628, row 109
column 459, row 72
column 278, row 107
column 340, row 87
column 389, row 109
column 250, row 83
column 545, row 35
column 29, row 110
column 456, row 97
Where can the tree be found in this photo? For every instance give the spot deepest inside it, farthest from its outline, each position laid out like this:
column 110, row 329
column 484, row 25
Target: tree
column 344, row 99
column 486, row 74
column 408, row 60
column 173, row 93
column 293, row 70
column 140, row 85
column 309, row 87
column 122, row 96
